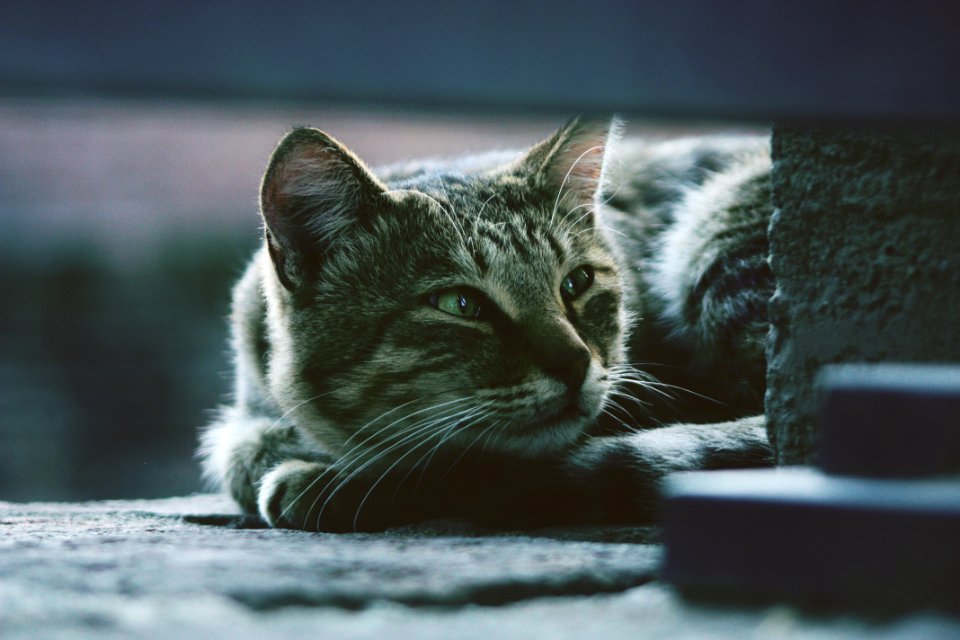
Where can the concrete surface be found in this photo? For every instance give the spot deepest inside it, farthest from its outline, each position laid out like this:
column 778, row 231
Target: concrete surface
column 864, row 245
column 191, row 568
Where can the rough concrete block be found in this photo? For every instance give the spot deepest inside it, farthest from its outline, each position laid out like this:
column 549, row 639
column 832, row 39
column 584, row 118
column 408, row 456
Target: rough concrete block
column 865, row 245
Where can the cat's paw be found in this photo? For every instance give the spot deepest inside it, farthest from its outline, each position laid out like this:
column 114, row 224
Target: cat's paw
column 283, row 496
column 298, row 494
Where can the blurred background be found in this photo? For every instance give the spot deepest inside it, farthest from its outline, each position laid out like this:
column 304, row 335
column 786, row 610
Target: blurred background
column 133, row 136
column 124, row 224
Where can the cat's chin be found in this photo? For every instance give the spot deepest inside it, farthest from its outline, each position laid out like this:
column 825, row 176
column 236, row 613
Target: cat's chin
column 546, row 435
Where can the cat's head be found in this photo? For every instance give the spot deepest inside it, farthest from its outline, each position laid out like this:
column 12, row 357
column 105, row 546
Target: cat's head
column 443, row 310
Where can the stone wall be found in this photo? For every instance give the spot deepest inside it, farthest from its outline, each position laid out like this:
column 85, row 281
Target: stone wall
column 865, row 245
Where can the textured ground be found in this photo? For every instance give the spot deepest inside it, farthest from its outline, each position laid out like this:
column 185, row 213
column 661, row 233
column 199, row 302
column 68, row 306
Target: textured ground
column 188, row 567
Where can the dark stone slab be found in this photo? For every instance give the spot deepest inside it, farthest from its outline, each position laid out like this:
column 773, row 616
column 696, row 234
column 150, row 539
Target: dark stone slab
column 879, row 545
column 890, row 420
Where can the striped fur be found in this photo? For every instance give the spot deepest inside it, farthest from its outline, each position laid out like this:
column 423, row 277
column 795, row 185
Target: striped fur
column 360, row 404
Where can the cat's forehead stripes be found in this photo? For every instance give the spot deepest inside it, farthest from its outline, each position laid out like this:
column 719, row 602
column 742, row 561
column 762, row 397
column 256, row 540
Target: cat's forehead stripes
column 500, row 213
column 524, row 238
column 503, row 229
column 504, row 238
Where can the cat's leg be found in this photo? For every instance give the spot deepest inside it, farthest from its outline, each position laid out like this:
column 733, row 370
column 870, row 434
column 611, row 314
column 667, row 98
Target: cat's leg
column 317, row 496
column 603, row 480
column 240, row 449
column 607, row 479
column 617, row 478
column 271, row 470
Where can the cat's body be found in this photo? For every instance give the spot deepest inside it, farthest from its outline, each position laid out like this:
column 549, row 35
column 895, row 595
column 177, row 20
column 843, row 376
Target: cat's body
column 501, row 337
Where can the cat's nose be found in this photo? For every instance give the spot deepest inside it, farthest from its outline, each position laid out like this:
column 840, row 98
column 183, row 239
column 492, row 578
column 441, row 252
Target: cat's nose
column 570, row 366
column 562, row 354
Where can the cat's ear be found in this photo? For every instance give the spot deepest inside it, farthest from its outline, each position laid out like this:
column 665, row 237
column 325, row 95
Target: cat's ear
column 571, row 165
column 313, row 192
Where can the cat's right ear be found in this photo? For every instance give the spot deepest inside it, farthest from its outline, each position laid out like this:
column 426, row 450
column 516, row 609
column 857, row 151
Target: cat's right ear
column 571, row 164
column 313, row 192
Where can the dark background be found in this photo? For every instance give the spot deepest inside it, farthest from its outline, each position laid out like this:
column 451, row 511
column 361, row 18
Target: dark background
column 133, row 134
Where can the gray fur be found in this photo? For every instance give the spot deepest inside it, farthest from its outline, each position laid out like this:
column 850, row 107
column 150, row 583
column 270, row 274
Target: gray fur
column 359, row 404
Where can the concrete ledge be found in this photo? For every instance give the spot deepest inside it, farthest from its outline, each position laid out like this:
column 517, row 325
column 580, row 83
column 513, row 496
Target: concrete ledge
column 864, row 247
column 153, row 569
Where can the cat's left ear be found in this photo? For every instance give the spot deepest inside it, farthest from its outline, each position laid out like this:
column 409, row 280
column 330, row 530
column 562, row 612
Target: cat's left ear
column 313, row 194
column 571, row 165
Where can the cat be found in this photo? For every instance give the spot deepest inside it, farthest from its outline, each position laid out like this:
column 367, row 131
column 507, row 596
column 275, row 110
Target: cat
column 516, row 338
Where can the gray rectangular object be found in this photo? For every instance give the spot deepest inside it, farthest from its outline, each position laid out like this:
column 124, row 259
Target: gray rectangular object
column 800, row 533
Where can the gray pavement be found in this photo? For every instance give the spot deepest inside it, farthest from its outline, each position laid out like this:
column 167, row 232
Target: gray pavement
column 191, row 567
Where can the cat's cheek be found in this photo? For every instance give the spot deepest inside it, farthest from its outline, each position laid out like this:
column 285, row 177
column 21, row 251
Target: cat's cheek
column 601, row 318
column 594, row 391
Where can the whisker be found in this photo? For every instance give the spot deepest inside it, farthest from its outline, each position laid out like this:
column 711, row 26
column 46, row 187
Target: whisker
column 450, row 434
column 647, row 386
column 342, row 460
column 294, row 408
column 493, row 434
column 456, row 225
column 658, row 387
column 632, row 366
column 387, row 471
column 360, row 446
column 463, row 453
column 628, row 427
column 455, row 428
column 484, row 206
column 371, row 422
column 402, row 437
column 566, row 179
column 609, row 400
column 350, row 474
column 591, row 206
column 446, row 194
column 579, row 233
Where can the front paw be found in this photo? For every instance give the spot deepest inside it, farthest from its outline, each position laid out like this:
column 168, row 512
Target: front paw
column 297, row 494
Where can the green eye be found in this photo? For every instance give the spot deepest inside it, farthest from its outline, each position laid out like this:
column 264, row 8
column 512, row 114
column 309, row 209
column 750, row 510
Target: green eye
column 576, row 282
column 456, row 302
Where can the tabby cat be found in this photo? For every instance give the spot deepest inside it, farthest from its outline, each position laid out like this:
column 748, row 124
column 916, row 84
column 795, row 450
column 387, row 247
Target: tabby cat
column 519, row 339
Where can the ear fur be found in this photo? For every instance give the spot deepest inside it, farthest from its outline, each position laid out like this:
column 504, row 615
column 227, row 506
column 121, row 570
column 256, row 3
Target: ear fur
column 313, row 191
column 572, row 164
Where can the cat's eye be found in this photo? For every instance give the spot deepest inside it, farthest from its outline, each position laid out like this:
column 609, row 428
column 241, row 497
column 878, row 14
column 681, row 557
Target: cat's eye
column 576, row 282
column 457, row 302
